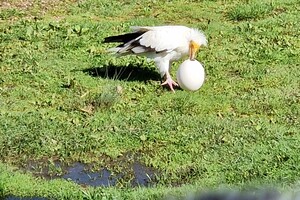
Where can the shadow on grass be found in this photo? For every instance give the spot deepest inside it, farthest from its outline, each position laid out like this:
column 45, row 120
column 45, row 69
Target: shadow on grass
column 126, row 73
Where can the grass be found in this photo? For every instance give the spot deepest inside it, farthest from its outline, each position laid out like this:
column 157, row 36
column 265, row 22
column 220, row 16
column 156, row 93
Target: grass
column 63, row 98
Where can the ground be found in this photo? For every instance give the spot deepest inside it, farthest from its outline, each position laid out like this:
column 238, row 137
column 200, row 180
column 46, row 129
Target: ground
column 64, row 99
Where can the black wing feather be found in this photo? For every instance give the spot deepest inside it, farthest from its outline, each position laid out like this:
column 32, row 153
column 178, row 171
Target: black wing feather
column 129, row 43
column 123, row 38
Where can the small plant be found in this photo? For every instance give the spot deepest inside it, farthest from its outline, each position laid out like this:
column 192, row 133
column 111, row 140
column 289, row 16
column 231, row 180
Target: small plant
column 104, row 100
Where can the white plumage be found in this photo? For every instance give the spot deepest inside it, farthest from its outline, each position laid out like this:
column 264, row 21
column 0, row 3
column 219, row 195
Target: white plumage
column 163, row 44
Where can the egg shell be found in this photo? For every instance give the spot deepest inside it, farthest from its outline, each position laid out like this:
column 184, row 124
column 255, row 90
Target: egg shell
column 190, row 75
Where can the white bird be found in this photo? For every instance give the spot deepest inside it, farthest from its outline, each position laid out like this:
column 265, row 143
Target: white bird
column 163, row 44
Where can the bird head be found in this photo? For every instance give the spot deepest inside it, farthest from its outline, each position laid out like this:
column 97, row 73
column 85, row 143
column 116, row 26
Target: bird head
column 197, row 39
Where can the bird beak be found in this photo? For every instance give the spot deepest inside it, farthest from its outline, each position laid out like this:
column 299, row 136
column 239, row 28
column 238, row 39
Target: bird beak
column 194, row 48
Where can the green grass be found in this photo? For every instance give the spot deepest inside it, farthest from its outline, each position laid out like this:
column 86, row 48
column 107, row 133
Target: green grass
column 58, row 103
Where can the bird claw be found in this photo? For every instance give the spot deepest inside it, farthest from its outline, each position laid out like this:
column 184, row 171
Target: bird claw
column 169, row 81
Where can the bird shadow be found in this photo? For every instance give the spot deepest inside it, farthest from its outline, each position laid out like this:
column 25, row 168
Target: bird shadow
column 125, row 73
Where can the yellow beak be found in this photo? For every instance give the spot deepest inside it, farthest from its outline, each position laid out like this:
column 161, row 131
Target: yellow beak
column 194, row 48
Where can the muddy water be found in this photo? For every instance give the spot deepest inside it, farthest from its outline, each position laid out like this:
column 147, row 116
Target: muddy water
column 78, row 174
column 143, row 176
column 131, row 174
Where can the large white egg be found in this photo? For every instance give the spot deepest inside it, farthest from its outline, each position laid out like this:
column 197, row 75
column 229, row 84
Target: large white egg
column 190, row 75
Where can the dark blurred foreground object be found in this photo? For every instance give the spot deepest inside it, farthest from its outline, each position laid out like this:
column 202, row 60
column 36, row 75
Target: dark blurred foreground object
column 269, row 195
column 236, row 195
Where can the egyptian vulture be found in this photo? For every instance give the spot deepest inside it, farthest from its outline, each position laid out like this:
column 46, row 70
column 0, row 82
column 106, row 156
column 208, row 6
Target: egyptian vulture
column 163, row 44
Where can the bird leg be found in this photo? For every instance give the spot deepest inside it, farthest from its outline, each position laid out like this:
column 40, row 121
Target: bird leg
column 169, row 81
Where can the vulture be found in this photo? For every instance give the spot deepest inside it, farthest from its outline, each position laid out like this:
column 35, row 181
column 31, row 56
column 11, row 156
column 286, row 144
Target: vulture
column 163, row 44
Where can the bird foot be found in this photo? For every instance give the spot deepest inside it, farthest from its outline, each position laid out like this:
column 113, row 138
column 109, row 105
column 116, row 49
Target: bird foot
column 169, row 81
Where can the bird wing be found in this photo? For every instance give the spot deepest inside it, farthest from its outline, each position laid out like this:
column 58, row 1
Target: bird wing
column 145, row 39
column 162, row 38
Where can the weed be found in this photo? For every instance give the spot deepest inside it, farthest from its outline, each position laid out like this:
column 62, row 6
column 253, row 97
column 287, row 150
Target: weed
column 107, row 98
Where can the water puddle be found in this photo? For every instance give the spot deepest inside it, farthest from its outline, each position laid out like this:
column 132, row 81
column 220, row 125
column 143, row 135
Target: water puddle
column 132, row 174
column 83, row 175
column 78, row 174
column 142, row 176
